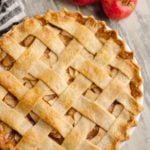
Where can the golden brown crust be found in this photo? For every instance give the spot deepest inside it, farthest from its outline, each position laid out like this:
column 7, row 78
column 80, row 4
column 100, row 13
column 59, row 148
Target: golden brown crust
column 51, row 35
column 103, row 32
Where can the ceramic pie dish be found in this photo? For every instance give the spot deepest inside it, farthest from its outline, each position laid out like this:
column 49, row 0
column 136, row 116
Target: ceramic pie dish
column 66, row 83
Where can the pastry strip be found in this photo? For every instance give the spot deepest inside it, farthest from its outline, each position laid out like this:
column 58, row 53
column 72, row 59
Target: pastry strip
column 35, row 136
column 51, row 144
column 12, row 84
column 68, row 55
column 71, row 94
column 125, row 67
column 112, row 91
column 107, row 53
column 129, row 103
column 49, row 37
column 27, row 59
column 52, row 117
column 48, row 76
column 93, row 112
column 21, row 124
column 91, row 71
column 12, row 47
column 21, row 31
column 74, row 28
column 78, row 134
column 87, row 145
column 31, row 98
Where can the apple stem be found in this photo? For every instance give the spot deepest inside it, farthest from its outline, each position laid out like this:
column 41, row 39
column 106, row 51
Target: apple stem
column 126, row 2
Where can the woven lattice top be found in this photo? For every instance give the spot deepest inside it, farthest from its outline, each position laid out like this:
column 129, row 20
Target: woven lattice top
column 67, row 83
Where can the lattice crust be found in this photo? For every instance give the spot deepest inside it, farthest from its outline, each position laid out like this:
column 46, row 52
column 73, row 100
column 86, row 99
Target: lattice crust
column 67, row 83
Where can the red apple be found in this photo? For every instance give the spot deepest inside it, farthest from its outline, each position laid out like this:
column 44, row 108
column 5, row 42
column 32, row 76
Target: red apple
column 83, row 2
column 118, row 9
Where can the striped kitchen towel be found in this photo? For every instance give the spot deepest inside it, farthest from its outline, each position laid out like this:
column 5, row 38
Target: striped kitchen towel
column 11, row 12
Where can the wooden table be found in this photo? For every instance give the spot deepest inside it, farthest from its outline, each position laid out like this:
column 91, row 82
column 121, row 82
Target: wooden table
column 136, row 31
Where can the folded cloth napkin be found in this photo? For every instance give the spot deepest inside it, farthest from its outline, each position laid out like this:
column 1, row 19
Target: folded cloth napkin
column 11, row 12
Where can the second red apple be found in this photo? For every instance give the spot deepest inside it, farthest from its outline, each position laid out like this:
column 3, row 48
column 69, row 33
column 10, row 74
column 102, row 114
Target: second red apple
column 118, row 9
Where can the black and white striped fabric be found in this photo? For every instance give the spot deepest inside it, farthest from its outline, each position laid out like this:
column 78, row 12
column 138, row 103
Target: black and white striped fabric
column 11, row 12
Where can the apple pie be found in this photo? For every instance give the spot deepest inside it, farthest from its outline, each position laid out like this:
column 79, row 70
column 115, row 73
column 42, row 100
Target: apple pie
column 67, row 82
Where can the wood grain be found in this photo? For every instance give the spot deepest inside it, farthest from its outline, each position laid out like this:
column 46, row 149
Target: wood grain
column 136, row 31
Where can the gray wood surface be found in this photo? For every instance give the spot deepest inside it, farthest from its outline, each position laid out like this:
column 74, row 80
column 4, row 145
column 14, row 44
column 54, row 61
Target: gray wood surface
column 136, row 31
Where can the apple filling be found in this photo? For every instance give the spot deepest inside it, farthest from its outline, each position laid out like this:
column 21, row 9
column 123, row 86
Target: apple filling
column 8, row 137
